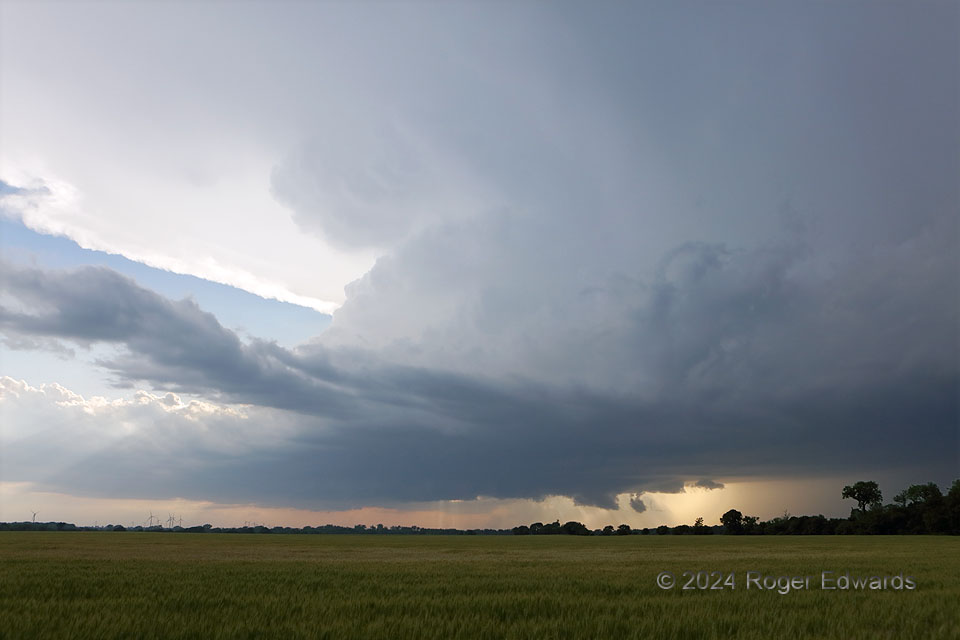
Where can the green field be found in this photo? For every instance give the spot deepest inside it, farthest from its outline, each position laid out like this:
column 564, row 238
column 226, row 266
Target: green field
column 150, row 585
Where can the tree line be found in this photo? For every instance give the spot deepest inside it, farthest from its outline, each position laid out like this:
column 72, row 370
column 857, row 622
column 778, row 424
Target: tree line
column 208, row 528
column 918, row 509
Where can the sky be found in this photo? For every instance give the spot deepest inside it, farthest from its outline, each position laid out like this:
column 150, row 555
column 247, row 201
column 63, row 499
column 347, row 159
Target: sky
column 475, row 264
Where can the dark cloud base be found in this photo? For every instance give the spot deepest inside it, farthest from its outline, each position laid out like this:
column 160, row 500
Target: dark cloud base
column 376, row 433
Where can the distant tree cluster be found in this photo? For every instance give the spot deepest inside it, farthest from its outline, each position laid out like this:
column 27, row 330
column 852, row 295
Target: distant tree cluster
column 41, row 526
column 918, row 509
column 553, row 529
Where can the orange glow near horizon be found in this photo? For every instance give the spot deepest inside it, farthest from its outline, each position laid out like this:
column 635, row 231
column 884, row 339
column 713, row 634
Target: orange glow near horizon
column 766, row 499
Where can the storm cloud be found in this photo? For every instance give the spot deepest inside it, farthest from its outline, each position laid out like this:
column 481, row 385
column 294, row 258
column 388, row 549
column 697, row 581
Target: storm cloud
column 433, row 433
column 620, row 250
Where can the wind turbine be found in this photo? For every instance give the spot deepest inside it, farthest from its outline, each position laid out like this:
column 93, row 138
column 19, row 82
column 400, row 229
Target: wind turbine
column 34, row 515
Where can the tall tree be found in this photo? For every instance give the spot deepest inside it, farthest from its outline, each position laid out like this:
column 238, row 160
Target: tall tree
column 866, row 493
column 732, row 521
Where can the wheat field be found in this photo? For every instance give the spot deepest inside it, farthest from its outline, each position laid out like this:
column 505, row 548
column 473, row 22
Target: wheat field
column 155, row 585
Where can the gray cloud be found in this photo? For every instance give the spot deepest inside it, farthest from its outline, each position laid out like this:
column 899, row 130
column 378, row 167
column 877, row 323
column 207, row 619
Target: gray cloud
column 706, row 483
column 23, row 343
column 623, row 250
column 637, row 504
column 363, row 188
column 425, row 433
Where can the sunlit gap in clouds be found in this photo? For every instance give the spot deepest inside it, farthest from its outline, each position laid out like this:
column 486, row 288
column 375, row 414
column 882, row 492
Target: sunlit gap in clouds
column 195, row 244
column 249, row 314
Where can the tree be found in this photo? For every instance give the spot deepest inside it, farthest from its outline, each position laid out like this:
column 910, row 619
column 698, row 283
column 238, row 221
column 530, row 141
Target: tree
column 663, row 530
column 575, row 529
column 918, row 494
column 954, row 489
column 607, row 530
column 732, row 521
column 953, row 507
column 624, row 530
column 866, row 493
column 700, row 529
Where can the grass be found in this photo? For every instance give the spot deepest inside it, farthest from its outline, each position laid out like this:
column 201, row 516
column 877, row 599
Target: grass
column 149, row 585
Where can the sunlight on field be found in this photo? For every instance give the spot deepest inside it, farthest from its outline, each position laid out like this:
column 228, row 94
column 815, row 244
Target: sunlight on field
column 112, row 585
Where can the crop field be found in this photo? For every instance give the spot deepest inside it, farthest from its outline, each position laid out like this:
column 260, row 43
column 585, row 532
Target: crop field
column 154, row 585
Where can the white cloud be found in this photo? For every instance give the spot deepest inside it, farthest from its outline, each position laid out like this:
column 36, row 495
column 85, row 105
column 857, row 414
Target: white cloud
column 219, row 236
column 47, row 428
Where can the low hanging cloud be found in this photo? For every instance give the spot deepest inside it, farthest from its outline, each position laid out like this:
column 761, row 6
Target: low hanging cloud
column 706, row 483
